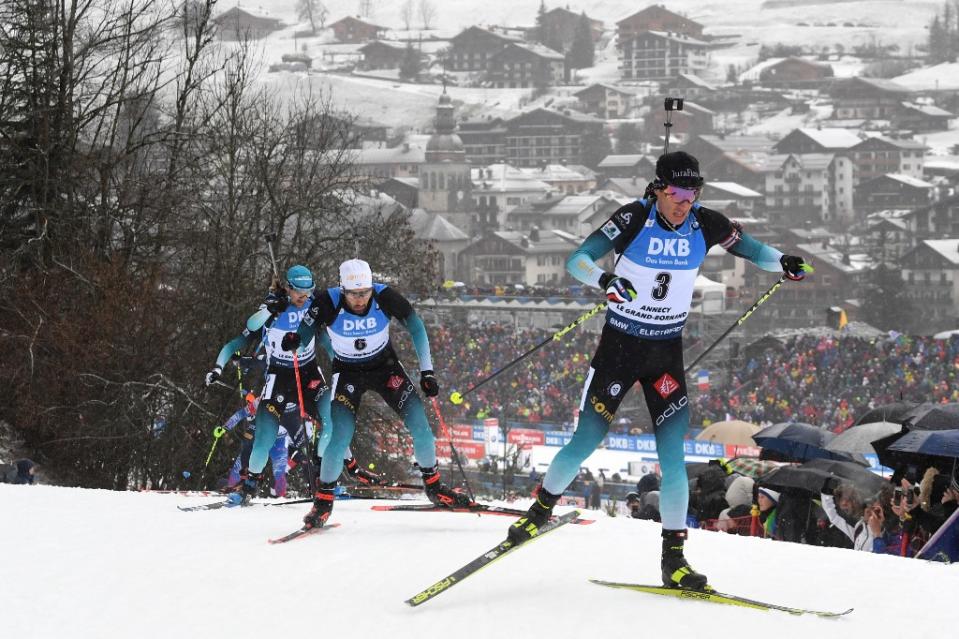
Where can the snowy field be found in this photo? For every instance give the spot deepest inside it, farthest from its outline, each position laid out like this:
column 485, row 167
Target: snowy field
column 99, row 564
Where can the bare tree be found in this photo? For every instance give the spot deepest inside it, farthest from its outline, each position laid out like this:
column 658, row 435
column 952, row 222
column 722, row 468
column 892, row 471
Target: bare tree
column 136, row 190
column 406, row 14
column 427, row 13
column 314, row 11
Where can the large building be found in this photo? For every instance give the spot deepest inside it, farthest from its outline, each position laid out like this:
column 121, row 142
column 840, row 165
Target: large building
column 809, row 187
column 525, row 66
column 512, row 257
column 867, row 98
column 473, row 48
column 657, row 18
column 931, row 272
column 542, row 136
column 659, row 55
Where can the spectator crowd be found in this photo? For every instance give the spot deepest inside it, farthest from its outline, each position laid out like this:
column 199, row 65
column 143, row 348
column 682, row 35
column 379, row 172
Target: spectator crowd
column 828, row 381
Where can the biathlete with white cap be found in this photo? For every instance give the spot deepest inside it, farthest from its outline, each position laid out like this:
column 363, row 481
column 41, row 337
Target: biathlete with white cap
column 356, row 316
column 282, row 313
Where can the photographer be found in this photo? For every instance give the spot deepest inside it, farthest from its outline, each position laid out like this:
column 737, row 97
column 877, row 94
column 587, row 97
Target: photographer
column 860, row 533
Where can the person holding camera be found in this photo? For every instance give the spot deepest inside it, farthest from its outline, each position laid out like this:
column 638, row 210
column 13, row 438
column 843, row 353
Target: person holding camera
column 660, row 242
column 862, row 533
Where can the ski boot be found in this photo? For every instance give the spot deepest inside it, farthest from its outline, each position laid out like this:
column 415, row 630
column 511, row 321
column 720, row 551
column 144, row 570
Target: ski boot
column 677, row 573
column 322, row 506
column 245, row 490
column 527, row 526
column 439, row 493
column 360, row 474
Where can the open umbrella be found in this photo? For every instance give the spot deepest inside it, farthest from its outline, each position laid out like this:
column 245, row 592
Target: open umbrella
column 893, row 412
column 811, row 476
column 801, row 441
column 752, row 467
column 734, row 432
column 936, row 443
column 933, row 417
column 859, row 438
column 864, row 479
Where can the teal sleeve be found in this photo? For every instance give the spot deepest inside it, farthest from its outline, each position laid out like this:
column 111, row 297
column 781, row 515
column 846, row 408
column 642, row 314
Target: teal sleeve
column 253, row 325
column 323, row 339
column 235, row 345
column 581, row 264
column 762, row 255
column 421, row 342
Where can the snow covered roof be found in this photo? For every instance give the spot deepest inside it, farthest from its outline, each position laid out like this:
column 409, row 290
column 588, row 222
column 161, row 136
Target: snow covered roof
column 928, row 109
column 548, row 242
column 505, row 177
column 407, row 154
column 621, row 161
column 539, row 50
column 609, row 87
column 696, row 80
column 940, row 77
column 576, row 204
column 555, row 173
column 942, row 163
column 857, row 262
column 679, row 37
column 807, row 161
column 433, row 226
column 732, row 188
column 909, row 180
column 831, row 138
column 739, row 143
column 949, row 249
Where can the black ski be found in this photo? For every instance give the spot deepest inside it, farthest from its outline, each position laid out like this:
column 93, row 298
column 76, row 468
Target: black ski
column 718, row 598
column 497, row 552
column 478, row 509
column 217, row 504
column 302, row 532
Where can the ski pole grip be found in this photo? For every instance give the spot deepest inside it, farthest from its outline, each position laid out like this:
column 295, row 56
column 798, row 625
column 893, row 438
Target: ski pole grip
column 219, row 432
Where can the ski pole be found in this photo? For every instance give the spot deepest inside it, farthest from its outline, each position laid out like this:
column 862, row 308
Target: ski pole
column 739, row 322
column 456, row 456
column 218, row 432
column 299, row 393
column 457, row 397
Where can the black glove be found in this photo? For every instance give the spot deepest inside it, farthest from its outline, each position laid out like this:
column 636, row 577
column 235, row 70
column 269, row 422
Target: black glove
column 428, row 383
column 794, row 267
column 290, row 342
column 213, row 375
column 276, row 301
column 618, row 289
column 829, row 486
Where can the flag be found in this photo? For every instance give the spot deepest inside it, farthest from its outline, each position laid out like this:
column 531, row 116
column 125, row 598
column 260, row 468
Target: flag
column 702, row 380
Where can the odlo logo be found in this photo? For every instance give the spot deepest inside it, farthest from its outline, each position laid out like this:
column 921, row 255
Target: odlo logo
column 671, row 409
column 676, row 247
column 600, row 408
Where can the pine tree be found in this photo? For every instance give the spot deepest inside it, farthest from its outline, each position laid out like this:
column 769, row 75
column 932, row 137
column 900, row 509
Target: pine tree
column 628, row 139
column 886, row 305
column 582, row 53
column 539, row 32
column 410, row 64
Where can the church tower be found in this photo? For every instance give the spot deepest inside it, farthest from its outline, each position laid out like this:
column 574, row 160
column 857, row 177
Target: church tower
column 445, row 185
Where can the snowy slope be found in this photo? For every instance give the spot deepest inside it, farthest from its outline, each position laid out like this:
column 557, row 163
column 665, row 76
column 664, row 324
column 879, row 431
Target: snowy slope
column 86, row 563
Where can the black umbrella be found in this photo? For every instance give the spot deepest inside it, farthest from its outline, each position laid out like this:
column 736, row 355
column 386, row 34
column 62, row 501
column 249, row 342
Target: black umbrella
column 893, row 412
column 863, row 478
column 812, row 475
column 801, row 441
column 936, row 443
column 933, row 417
